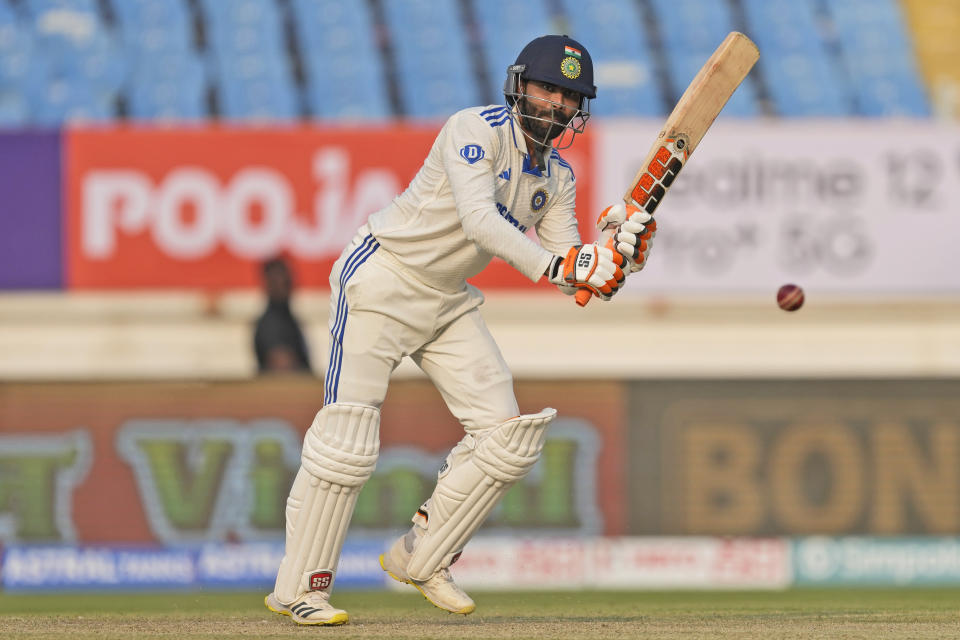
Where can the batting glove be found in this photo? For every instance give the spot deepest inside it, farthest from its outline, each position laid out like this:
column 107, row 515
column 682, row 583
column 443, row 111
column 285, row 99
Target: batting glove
column 630, row 231
column 591, row 267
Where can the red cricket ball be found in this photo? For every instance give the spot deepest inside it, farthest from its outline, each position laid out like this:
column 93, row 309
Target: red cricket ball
column 790, row 297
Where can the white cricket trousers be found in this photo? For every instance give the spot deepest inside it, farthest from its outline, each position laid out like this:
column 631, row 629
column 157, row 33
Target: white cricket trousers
column 380, row 313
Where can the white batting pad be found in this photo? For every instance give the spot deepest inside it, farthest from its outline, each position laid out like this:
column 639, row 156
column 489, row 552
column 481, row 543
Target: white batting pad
column 339, row 455
column 472, row 484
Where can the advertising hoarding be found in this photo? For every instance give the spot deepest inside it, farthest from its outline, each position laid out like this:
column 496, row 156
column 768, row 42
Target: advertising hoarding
column 202, row 208
column 194, row 463
column 30, row 210
column 862, row 206
column 795, row 457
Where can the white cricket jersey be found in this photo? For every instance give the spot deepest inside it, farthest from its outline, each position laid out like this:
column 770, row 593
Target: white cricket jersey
column 474, row 198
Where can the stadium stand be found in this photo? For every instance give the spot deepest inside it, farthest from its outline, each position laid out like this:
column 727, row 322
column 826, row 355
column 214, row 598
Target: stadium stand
column 99, row 60
column 937, row 52
column 16, row 53
column 167, row 79
column 247, row 53
column 796, row 62
column 430, row 57
column 622, row 56
column 504, row 28
column 690, row 31
column 878, row 57
column 339, row 49
column 76, row 68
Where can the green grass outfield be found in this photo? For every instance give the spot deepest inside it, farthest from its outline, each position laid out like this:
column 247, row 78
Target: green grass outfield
column 836, row 613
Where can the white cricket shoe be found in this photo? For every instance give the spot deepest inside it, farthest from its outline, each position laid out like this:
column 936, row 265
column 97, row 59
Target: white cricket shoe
column 310, row 608
column 439, row 589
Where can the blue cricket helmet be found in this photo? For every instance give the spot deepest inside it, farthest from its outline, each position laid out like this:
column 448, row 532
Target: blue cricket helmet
column 559, row 60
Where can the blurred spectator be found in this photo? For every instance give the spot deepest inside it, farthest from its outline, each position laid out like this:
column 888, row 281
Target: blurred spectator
column 278, row 340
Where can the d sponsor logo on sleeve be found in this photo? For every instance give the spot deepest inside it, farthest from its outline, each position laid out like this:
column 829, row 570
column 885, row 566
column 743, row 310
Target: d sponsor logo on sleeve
column 471, row 153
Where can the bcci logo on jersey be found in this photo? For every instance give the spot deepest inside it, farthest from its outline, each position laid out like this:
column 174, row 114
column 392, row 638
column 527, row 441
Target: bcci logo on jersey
column 471, row 153
column 538, row 200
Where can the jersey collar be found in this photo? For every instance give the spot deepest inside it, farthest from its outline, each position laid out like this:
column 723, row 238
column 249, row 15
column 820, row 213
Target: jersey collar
column 521, row 146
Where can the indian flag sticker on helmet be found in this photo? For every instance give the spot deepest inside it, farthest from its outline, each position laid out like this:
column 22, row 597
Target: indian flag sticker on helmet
column 570, row 67
column 570, row 51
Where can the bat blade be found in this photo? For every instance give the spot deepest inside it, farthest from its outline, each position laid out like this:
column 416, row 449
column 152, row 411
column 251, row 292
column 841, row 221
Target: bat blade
column 696, row 110
column 686, row 125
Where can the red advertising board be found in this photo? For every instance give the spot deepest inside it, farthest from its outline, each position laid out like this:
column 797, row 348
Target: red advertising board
column 201, row 208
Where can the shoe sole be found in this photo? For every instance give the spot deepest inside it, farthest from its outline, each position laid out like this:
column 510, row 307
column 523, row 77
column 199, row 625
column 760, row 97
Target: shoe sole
column 464, row 611
column 340, row 618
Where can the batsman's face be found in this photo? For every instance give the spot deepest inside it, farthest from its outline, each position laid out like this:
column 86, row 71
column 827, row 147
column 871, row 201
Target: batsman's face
column 548, row 108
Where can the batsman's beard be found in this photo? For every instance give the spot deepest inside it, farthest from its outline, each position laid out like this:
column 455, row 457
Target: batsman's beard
column 541, row 123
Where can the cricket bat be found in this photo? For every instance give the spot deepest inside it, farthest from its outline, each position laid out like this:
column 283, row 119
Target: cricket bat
column 698, row 107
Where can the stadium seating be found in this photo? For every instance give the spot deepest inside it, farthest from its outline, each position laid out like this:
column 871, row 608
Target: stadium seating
column 690, row 25
column 76, row 67
column 249, row 61
column 430, row 57
column 167, row 79
column 801, row 75
column 504, row 27
column 154, row 26
column 16, row 52
column 621, row 54
column 255, row 86
column 37, row 8
column 345, row 78
column 878, row 57
column 169, row 86
column 691, row 30
column 363, row 60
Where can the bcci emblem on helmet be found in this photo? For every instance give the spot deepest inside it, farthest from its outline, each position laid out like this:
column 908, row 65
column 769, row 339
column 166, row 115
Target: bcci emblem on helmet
column 570, row 67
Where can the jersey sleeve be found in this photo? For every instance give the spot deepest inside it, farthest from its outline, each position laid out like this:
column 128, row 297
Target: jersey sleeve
column 557, row 229
column 468, row 157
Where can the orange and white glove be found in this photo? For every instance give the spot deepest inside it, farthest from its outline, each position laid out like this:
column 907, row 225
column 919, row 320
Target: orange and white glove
column 592, row 267
column 628, row 230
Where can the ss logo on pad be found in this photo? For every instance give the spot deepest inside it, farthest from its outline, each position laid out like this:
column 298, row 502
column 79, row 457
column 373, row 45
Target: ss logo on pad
column 321, row 580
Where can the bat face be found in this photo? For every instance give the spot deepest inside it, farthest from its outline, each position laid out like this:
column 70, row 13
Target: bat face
column 660, row 173
column 696, row 110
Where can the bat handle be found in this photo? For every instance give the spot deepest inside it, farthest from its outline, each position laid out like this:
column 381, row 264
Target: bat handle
column 583, row 295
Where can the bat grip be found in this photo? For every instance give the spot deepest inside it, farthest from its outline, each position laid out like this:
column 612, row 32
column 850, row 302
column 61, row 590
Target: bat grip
column 583, row 295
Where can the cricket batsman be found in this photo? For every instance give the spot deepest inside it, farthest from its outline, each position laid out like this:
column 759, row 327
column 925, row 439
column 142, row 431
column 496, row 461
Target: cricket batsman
column 399, row 289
